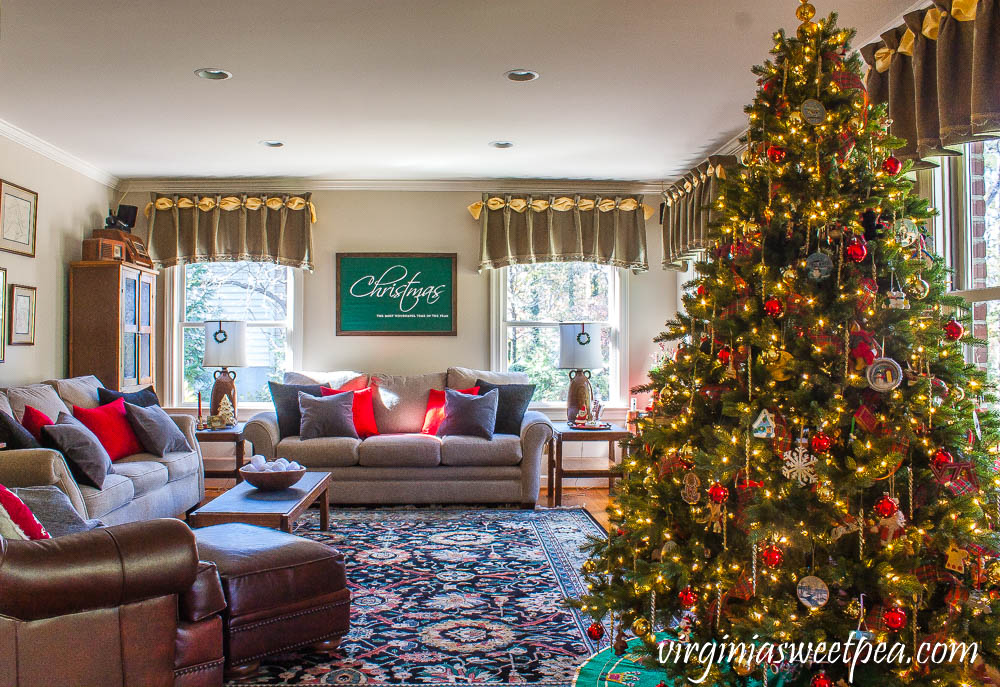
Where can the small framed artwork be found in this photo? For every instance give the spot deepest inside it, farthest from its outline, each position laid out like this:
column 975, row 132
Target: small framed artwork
column 21, row 315
column 3, row 311
column 18, row 211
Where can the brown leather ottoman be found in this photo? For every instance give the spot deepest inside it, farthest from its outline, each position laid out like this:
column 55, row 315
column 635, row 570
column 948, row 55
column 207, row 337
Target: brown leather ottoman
column 282, row 592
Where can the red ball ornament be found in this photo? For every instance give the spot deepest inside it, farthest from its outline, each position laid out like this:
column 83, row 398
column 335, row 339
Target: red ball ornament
column 894, row 618
column 775, row 154
column 857, row 249
column 595, row 631
column 701, row 290
column 688, row 597
column 620, row 531
column 886, row 506
column 821, row 679
column 820, row 442
column 772, row 555
column 718, row 493
column 724, row 355
column 774, row 307
column 941, row 458
column 953, row 330
column 892, row 165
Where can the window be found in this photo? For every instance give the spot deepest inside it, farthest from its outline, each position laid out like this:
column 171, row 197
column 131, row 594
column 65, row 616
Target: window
column 260, row 294
column 529, row 303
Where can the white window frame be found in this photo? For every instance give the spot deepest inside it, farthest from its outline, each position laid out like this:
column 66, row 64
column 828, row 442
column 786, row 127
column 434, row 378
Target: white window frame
column 174, row 326
column 617, row 320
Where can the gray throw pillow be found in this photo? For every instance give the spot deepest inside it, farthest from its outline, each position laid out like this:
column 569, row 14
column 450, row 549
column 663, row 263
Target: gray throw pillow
column 327, row 416
column 468, row 415
column 157, row 433
column 87, row 459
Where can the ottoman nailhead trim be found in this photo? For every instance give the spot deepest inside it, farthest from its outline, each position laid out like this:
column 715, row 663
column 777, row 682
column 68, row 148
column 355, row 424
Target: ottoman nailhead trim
column 297, row 614
column 211, row 665
column 296, row 645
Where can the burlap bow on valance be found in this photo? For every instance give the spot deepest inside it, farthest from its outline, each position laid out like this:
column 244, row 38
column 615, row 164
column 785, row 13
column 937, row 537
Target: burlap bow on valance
column 940, row 74
column 689, row 210
column 247, row 227
column 523, row 229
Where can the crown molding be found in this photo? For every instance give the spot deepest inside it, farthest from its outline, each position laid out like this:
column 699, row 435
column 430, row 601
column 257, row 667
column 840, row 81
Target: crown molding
column 733, row 146
column 56, row 154
column 302, row 184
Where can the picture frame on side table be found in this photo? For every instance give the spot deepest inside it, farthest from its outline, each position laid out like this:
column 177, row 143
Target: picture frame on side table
column 3, row 312
column 18, row 215
column 21, row 315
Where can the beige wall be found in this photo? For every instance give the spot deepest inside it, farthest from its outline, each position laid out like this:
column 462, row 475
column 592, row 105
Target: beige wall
column 69, row 206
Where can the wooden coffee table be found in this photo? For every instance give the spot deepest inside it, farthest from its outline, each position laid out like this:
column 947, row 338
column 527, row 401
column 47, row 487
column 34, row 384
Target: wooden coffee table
column 277, row 509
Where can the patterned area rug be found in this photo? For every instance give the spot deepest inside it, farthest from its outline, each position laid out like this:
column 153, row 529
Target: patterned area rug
column 448, row 596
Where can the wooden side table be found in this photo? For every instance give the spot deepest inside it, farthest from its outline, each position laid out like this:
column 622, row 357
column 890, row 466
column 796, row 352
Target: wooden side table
column 561, row 431
column 227, row 435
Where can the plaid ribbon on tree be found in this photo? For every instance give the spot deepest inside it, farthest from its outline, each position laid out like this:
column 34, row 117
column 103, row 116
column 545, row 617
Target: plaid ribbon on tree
column 795, row 304
column 930, row 572
column 848, row 80
column 782, row 436
column 826, row 339
column 979, row 550
column 869, row 292
column 865, row 418
column 733, row 307
column 743, row 589
column 956, row 596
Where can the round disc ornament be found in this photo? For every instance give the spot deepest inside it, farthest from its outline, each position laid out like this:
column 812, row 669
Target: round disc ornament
column 819, row 266
column 884, row 374
column 812, row 592
column 906, row 232
column 813, row 111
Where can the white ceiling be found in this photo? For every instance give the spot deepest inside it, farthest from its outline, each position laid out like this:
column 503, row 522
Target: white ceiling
column 392, row 89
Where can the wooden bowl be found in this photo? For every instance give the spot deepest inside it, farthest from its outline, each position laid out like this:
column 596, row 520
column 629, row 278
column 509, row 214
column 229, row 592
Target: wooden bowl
column 272, row 481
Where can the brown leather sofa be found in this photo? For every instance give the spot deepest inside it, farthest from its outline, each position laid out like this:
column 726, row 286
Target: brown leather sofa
column 113, row 607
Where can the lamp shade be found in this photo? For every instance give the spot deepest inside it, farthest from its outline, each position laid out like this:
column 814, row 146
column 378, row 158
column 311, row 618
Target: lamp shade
column 225, row 344
column 580, row 346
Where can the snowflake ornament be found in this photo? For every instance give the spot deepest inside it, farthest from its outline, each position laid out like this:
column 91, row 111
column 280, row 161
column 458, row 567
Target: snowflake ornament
column 800, row 465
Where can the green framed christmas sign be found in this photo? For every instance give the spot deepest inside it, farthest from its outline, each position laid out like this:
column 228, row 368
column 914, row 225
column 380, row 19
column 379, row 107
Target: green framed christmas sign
column 396, row 294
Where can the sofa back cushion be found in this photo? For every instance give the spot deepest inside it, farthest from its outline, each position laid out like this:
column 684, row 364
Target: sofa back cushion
column 78, row 391
column 347, row 380
column 464, row 377
column 401, row 400
column 5, row 405
column 39, row 396
column 144, row 398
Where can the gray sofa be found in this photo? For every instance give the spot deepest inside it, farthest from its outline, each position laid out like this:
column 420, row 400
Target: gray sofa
column 141, row 487
column 403, row 466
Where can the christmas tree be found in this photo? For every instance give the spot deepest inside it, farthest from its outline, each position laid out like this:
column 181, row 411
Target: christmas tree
column 819, row 459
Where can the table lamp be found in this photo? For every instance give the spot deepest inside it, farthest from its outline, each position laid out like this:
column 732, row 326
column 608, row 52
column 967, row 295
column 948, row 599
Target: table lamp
column 579, row 352
column 225, row 347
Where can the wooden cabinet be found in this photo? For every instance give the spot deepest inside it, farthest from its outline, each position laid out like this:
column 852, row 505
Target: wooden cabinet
column 112, row 323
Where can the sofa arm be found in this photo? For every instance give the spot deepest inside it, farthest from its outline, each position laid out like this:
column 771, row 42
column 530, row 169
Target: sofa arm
column 187, row 424
column 41, row 467
column 262, row 432
column 536, row 431
column 205, row 597
column 103, row 568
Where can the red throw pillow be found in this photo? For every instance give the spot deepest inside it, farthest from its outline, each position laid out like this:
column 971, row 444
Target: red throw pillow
column 435, row 409
column 363, row 408
column 17, row 520
column 33, row 421
column 111, row 427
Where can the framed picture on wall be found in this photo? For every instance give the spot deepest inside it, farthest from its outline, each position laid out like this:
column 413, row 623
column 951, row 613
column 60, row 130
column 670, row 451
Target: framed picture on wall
column 3, row 311
column 396, row 294
column 21, row 315
column 18, row 211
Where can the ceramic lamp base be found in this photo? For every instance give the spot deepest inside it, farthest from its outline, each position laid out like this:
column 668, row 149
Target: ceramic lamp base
column 225, row 385
column 581, row 395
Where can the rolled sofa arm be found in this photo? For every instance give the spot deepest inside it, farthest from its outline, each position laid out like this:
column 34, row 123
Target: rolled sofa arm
column 536, row 430
column 187, row 424
column 262, row 432
column 102, row 568
column 41, row 467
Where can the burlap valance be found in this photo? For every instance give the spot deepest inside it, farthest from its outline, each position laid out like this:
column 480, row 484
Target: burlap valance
column 940, row 74
column 689, row 210
column 247, row 227
column 523, row 229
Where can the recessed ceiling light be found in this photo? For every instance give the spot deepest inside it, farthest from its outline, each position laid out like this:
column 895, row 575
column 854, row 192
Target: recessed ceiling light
column 213, row 73
column 271, row 143
column 521, row 75
column 503, row 145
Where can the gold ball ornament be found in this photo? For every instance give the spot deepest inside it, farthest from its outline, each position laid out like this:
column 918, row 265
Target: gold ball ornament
column 993, row 573
column 743, row 668
column 641, row 627
column 853, row 609
column 825, row 493
column 789, row 276
column 779, row 369
column 805, row 12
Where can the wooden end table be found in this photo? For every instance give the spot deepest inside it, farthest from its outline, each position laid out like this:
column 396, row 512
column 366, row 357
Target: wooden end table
column 561, row 431
column 277, row 509
column 226, row 435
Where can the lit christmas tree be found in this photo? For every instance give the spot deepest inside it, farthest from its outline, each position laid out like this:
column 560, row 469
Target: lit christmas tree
column 819, row 460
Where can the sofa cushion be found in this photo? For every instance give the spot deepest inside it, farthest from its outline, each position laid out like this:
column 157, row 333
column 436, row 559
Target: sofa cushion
column 5, row 405
column 469, row 415
column 286, row 405
column 435, row 409
column 502, row 449
column 157, row 433
column 17, row 522
column 146, row 475
column 401, row 401
column 54, row 510
column 78, row 391
column 362, row 409
column 144, row 398
column 512, row 404
column 33, row 420
column 39, row 396
column 400, row 450
column 110, row 424
column 346, row 380
column 325, row 452
column 328, row 416
column 179, row 464
column 14, row 434
column 117, row 492
column 464, row 377
column 87, row 459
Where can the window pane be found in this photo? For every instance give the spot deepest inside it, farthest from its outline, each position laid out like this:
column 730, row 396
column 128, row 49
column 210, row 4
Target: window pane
column 991, row 210
column 535, row 351
column 559, row 292
column 251, row 291
column 266, row 361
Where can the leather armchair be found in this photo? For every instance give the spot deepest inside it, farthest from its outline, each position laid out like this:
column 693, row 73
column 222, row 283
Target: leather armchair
column 112, row 607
